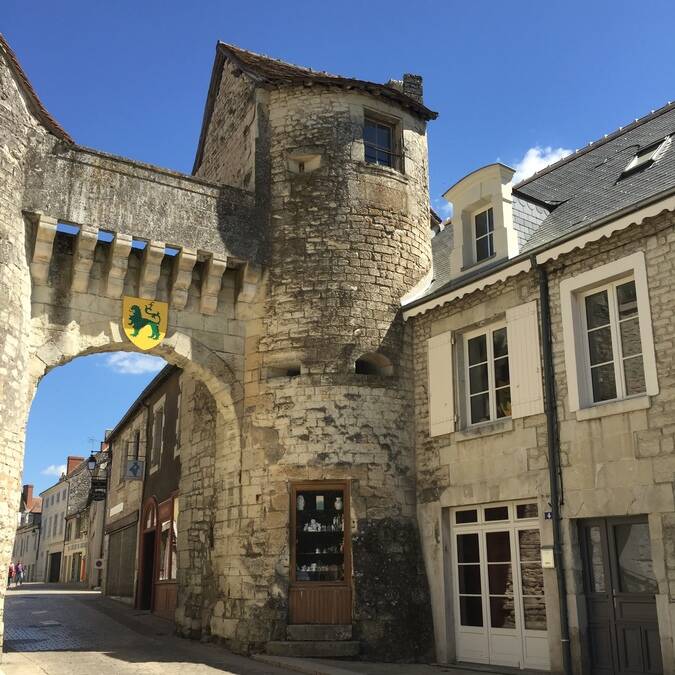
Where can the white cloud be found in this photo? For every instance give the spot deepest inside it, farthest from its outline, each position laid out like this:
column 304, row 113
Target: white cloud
column 54, row 470
column 536, row 159
column 125, row 363
column 443, row 208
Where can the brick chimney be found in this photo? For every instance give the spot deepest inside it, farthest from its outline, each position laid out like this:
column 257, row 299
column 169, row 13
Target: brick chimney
column 27, row 496
column 412, row 86
column 73, row 463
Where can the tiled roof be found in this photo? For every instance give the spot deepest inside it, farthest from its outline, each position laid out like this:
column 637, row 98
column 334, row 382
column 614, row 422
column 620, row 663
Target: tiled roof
column 36, row 106
column 273, row 72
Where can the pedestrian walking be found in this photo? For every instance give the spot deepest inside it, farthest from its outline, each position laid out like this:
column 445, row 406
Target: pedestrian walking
column 20, row 571
column 12, row 572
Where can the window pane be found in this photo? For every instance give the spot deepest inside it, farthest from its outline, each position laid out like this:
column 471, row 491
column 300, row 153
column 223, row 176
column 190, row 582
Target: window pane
column 478, row 379
column 597, row 569
column 467, row 548
column 498, row 545
column 477, row 350
column 481, row 224
column 497, row 513
column 600, row 345
column 532, row 576
column 483, row 248
column 371, row 155
column 626, row 299
column 502, row 613
column 468, row 516
column 634, row 373
column 480, row 408
column 527, row 511
column 384, row 158
column 384, row 137
column 500, row 579
column 630, row 337
column 503, row 402
column 604, row 386
column 490, row 223
column 534, row 610
column 634, row 553
column 491, row 246
column 597, row 310
column 369, row 132
column 469, row 579
column 529, row 545
column 470, row 611
column 499, row 343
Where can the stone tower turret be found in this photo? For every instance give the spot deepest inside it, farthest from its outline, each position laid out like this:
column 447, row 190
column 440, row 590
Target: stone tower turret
column 339, row 169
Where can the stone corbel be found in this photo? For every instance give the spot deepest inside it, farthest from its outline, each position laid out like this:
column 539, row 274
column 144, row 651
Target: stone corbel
column 211, row 282
column 249, row 278
column 117, row 265
column 150, row 269
column 42, row 253
column 84, row 257
column 182, row 277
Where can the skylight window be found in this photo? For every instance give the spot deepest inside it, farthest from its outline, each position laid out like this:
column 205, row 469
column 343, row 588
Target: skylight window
column 647, row 156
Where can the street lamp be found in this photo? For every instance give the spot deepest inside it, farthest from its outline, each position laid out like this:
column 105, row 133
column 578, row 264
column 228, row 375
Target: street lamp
column 91, row 463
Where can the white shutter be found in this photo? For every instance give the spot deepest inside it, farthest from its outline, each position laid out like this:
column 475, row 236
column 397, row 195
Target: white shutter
column 524, row 360
column 441, row 403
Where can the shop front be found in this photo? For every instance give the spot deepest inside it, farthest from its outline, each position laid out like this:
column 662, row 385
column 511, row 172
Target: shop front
column 321, row 572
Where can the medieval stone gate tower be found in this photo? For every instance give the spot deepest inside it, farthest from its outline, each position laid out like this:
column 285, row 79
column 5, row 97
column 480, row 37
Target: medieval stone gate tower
column 337, row 219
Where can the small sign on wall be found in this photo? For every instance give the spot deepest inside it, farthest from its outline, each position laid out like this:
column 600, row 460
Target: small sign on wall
column 135, row 469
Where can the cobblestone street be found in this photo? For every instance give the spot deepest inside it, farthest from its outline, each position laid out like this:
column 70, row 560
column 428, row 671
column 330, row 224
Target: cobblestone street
column 65, row 631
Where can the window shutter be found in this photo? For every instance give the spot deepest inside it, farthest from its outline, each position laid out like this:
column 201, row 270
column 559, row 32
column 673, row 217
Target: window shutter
column 441, row 403
column 524, row 360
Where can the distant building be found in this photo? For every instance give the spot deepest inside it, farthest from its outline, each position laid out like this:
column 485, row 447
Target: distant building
column 143, row 482
column 27, row 539
column 83, row 541
column 54, row 502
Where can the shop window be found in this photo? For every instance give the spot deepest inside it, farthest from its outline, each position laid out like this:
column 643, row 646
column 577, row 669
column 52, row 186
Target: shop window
column 373, row 363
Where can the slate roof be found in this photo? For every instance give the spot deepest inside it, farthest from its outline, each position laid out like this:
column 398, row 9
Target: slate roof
column 578, row 190
column 268, row 71
column 587, row 185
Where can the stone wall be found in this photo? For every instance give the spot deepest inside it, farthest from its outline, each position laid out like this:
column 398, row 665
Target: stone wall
column 617, row 464
column 229, row 145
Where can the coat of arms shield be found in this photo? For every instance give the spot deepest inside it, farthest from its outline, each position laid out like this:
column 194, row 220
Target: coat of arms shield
column 144, row 321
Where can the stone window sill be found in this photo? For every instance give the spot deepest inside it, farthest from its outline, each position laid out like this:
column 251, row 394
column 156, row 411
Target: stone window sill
column 613, row 408
column 486, row 429
column 389, row 172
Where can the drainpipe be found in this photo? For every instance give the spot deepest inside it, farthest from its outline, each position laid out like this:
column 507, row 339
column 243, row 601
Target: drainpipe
column 554, row 470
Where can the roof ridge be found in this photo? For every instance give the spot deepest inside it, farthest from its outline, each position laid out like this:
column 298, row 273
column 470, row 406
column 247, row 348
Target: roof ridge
column 39, row 109
column 601, row 141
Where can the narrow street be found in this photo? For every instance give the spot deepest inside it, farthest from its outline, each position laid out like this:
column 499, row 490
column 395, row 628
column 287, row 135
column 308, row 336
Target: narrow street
column 60, row 630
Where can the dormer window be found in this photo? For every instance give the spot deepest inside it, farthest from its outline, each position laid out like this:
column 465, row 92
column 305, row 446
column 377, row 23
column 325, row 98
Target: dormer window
column 647, row 156
column 484, row 228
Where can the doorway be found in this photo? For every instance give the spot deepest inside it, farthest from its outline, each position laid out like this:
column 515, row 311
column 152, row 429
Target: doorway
column 620, row 587
column 54, row 568
column 499, row 600
column 147, row 557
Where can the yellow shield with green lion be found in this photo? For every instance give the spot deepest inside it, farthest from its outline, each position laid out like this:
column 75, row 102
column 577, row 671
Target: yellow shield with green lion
column 144, row 321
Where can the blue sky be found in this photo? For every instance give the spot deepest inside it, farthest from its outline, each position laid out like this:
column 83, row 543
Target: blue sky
column 519, row 82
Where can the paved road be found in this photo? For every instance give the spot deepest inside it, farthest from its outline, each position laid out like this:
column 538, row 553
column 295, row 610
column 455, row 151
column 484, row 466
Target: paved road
column 63, row 631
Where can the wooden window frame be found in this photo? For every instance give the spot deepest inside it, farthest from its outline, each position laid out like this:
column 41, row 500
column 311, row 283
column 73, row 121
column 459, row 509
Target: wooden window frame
column 489, row 235
column 396, row 150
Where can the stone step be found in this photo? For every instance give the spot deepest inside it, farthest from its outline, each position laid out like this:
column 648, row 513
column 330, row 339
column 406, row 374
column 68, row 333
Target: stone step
column 319, row 632
column 322, row 649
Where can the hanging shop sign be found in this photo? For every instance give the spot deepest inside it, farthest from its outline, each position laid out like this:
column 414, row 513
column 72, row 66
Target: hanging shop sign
column 144, row 321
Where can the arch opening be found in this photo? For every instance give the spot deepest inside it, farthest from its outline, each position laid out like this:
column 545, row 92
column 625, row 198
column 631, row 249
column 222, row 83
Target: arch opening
column 373, row 363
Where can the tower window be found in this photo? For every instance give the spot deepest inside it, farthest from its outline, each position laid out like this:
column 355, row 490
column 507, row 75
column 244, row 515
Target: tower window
column 379, row 140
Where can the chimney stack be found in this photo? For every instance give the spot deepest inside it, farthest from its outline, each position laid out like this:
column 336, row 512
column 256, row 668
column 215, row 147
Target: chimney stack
column 73, row 463
column 412, row 86
column 27, row 496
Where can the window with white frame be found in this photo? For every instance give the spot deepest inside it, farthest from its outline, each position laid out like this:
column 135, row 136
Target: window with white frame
column 612, row 346
column 609, row 345
column 488, row 386
column 484, row 228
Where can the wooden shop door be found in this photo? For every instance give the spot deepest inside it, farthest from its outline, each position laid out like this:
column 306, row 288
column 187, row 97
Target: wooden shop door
column 620, row 586
column 321, row 569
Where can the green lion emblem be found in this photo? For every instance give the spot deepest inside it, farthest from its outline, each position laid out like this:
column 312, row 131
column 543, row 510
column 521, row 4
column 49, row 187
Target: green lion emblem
column 138, row 321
